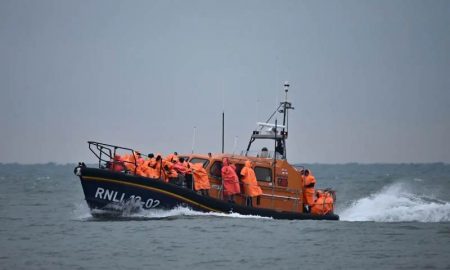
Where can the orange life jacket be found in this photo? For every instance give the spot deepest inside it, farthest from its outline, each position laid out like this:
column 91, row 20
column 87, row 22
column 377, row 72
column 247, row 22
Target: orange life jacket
column 251, row 187
column 308, row 191
column 201, row 180
column 117, row 164
column 168, row 170
column 150, row 170
column 230, row 179
column 323, row 204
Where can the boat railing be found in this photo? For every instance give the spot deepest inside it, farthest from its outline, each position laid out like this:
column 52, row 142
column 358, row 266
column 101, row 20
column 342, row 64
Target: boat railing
column 106, row 152
column 259, row 154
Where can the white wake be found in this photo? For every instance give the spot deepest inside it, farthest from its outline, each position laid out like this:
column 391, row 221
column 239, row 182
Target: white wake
column 395, row 203
column 184, row 211
column 82, row 212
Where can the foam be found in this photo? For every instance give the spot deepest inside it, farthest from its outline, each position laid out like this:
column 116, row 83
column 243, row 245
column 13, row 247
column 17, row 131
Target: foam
column 395, row 203
column 184, row 211
column 82, row 212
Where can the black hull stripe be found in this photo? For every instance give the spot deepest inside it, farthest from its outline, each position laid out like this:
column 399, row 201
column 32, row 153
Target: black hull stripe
column 153, row 189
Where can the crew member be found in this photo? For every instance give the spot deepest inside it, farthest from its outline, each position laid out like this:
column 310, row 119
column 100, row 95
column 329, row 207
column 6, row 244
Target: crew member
column 150, row 167
column 132, row 161
column 188, row 175
column 308, row 190
column 264, row 152
column 201, row 180
column 158, row 170
column 180, row 168
column 171, row 157
column 251, row 187
column 230, row 180
column 170, row 175
column 323, row 203
column 117, row 164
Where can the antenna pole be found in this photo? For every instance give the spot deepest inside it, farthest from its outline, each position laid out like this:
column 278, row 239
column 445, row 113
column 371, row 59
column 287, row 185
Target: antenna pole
column 223, row 132
column 193, row 140
column 286, row 89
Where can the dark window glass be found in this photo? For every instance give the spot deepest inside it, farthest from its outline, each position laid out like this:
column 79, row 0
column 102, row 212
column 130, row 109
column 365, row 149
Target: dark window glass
column 239, row 169
column 216, row 169
column 263, row 174
column 205, row 162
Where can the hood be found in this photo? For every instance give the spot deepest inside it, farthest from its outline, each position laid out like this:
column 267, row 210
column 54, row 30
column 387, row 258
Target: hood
column 225, row 162
column 248, row 164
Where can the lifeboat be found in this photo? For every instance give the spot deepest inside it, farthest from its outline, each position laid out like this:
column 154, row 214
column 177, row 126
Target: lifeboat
column 115, row 186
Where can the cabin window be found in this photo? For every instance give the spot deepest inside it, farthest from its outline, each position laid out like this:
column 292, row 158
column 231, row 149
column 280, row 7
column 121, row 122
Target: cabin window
column 239, row 169
column 216, row 169
column 205, row 162
column 263, row 174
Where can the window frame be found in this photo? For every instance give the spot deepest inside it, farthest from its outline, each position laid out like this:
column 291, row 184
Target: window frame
column 220, row 171
column 205, row 161
column 265, row 168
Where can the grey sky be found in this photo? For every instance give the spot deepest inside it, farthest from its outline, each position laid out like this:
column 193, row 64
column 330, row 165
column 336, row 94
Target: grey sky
column 370, row 80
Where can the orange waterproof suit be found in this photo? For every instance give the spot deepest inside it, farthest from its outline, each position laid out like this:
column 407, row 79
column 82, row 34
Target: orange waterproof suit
column 158, row 171
column 251, row 187
column 180, row 168
column 201, row 180
column 230, row 179
column 323, row 204
column 142, row 167
column 168, row 170
column 171, row 157
column 133, row 160
column 117, row 164
column 151, row 170
column 308, row 191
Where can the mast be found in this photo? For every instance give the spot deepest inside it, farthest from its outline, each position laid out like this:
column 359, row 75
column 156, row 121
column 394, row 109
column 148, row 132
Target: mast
column 223, row 132
column 279, row 136
column 286, row 89
column 286, row 106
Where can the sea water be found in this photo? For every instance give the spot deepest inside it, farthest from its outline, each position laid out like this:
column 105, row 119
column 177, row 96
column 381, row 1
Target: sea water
column 392, row 217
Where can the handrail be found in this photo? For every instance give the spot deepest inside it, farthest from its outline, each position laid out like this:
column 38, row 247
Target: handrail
column 109, row 150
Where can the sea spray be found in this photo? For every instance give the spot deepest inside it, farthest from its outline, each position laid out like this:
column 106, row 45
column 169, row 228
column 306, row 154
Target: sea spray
column 397, row 203
column 184, row 211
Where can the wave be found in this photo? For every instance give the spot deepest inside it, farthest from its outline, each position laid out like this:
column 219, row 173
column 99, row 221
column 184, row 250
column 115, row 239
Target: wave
column 82, row 212
column 396, row 203
column 187, row 212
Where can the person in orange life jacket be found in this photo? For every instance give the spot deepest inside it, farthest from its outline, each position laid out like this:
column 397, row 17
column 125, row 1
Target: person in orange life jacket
column 323, row 203
column 201, row 180
column 133, row 161
column 116, row 164
column 170, row 157
column 308, row 190
column 230, row 180
column 188, row 176
column 329, row 201
column 129, row 165
column 251, row 187
column 180, row 168
column 142, row 166
column 159, row 172
column 149, row 167
column 171, row 175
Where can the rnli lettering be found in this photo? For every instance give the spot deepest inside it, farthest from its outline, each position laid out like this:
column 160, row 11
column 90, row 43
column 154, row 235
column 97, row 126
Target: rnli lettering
column 114, row 196
column 151, row 203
